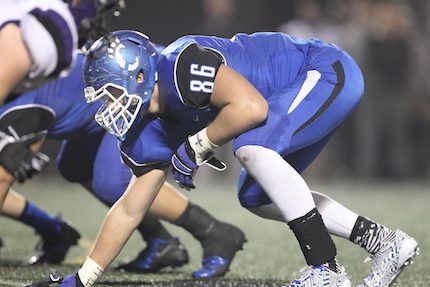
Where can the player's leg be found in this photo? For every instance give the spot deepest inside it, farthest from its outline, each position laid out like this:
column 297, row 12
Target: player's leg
column 292, row 197
column 19, row 118
column 220, row 240
column 390, row 250
column 379, row 241
column 57, row 236
column 6, row 181
column 322, row 100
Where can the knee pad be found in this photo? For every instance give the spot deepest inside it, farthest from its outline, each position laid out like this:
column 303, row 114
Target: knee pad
column 25, row 119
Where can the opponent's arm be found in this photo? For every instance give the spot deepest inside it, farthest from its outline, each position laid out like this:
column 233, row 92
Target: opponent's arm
column 14, row 58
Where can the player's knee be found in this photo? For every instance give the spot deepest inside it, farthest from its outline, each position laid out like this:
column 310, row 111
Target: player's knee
column 5, row 177
column 244, row 154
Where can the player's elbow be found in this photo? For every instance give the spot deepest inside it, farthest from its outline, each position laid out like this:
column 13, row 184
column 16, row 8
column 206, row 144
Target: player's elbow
column 257, row 110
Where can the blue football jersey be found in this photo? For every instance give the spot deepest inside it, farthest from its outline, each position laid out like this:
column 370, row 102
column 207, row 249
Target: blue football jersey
column 65, row 97
column 58, row 107
column 186, row 74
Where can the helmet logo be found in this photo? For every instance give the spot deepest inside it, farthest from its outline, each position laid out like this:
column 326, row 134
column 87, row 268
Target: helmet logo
column 114, row 52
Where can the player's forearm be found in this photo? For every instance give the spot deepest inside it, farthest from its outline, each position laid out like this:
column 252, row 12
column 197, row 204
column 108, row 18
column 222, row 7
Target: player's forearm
column 235, row 119
column 120, row 222
column 114, row 233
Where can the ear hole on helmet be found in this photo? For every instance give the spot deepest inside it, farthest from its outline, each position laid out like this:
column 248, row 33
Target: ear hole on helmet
column 140, row 77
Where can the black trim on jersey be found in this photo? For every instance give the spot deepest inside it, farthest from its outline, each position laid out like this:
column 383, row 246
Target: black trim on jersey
column 26, row 120
column 141, row 169
column 16, row 22
column 200, row 57
column 55, row 32
column 338, row 68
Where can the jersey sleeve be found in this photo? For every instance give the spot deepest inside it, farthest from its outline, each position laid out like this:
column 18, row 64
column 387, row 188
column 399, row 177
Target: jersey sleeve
column 141, row 169
column 195, row 75
column 146, row 146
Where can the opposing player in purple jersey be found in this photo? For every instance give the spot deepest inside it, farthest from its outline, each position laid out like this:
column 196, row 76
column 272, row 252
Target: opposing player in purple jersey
column 279, row 98
column 38, row 42
column 88, row 155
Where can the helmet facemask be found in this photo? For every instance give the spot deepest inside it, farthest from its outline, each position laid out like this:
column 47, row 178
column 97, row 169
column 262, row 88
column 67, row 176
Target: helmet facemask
column 120, row 70
column 118, row 110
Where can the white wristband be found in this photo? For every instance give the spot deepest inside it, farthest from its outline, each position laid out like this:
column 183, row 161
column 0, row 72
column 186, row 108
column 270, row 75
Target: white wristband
column 90, row 272
column 201, row 145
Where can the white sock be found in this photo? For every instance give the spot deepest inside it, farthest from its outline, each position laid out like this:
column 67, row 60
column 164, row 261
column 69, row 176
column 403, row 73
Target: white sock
column 338, row 219
column 281, row 182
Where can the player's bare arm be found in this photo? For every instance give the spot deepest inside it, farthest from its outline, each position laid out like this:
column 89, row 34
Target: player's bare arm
column 123, row 219
column 241, row 106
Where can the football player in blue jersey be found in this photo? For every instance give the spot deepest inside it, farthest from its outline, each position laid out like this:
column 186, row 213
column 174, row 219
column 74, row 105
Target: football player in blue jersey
column 279, row 98
column 88, row 156
column 38, row 42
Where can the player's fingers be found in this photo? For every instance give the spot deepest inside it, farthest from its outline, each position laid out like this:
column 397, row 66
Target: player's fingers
column 176, row 176
column 189, row 182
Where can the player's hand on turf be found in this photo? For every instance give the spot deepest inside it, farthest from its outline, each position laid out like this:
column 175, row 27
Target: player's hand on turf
column 18, row 159
column 184, row 165
column 71, row 280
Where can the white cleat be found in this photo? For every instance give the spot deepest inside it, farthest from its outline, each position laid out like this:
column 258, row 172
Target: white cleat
column 321, row 276
column 388, row 262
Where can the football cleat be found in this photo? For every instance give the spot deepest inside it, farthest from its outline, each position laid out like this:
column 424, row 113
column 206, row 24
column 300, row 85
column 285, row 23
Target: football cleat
column 225, row 237
column 213, row 266
column 321, row 276
column 53, row 250
column 159, row 253
column 390, row 260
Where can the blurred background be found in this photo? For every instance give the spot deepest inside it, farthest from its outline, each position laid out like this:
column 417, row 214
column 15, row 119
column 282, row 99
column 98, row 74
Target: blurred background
column 388, row 135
